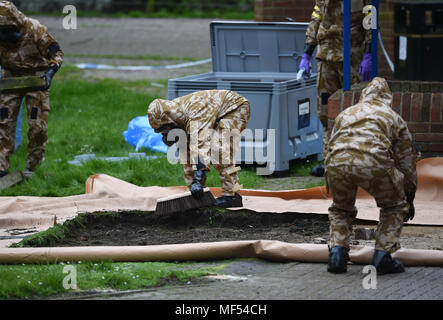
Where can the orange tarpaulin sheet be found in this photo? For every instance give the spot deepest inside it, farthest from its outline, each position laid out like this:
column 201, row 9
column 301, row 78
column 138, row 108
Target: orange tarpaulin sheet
column 106, row 193
column 264, row 249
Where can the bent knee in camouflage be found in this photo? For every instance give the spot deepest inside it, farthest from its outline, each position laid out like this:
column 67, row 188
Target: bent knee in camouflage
column 385, row 185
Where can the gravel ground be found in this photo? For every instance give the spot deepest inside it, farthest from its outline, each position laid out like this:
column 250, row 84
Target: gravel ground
column 133, row 37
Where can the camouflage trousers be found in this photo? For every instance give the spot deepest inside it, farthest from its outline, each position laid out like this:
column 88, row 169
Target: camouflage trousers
column 385, row 185
column 225, row 143
column 329, row 80
column 37, row 105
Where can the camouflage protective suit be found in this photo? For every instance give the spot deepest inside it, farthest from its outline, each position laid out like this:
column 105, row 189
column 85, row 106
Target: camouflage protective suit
column 325, row 31
column 34, row 53
column 370, row 147
column 213, row 121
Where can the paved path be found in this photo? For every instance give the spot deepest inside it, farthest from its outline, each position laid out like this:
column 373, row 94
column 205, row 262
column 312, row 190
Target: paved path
column 261, row 280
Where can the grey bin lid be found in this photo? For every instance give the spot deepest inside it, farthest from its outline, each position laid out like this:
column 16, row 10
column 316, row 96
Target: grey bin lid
column 257, row 46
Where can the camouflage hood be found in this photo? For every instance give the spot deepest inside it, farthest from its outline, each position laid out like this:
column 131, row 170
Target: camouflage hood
column 11, row 16
column 377, row 92
column 161, row 112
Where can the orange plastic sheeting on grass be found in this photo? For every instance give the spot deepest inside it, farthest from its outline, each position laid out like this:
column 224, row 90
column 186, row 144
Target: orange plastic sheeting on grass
column 428, row 201
column 264, row 249
column 106, row 193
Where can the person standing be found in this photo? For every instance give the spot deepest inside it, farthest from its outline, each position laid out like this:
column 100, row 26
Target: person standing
column 325, row 32
column 26, row 49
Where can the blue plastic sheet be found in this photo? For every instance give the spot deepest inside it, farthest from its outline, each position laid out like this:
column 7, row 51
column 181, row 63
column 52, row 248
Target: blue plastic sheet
column 18, row 129
column 141, row 135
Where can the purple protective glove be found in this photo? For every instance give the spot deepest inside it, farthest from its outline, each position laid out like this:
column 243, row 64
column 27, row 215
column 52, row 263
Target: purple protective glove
column 304, row 63
column 366, row 67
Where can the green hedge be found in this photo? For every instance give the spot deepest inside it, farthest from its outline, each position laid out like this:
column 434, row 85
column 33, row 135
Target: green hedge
column 127, row 6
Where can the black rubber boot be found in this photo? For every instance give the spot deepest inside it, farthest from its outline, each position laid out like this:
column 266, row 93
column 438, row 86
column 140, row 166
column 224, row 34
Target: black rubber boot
column 338, row 259
column 384, row 263
column 229, row 201
column 318, row 170
column 3, row 173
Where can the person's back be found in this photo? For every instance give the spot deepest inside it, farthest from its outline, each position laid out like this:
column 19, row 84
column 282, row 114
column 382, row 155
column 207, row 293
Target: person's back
column 364, row 134
column 370, row 147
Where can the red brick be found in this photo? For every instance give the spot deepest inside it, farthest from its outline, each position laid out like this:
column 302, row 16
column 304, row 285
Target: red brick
column 334, row 106
column 424, row 147
column 406, row 106
column 418, row 127
column 356, row 98
column 347, row 99
column 428, row 137
column 396, row 102
column 416, row 106
column 426, row 107
column 436, row 147
column 435, row 110
column 283, row 4
column 437, row 128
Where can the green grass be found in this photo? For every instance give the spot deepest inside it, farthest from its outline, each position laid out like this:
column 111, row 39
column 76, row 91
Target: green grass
column 28, row 281
column 57, row 232
column 90, row 117
column 234, row 14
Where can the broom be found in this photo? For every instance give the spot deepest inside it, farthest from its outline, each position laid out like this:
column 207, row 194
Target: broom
column 184, row 201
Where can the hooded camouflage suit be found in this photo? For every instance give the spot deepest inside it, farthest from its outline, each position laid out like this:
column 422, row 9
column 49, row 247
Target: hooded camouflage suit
column 210, row 119
column 325, row 31
column 370, row 147
column 35, row 52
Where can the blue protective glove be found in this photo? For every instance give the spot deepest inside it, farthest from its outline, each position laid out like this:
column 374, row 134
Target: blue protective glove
column 304, row 63
column 366, row 67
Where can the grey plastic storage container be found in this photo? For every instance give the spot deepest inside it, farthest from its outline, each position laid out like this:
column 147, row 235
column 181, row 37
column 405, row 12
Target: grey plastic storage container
column 260, row 60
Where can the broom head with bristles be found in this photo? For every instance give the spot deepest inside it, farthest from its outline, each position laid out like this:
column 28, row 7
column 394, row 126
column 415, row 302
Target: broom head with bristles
column 184, row 201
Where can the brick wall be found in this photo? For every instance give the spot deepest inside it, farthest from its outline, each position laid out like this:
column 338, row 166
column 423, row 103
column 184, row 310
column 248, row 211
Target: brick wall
column 419, row 103
column 278, row 10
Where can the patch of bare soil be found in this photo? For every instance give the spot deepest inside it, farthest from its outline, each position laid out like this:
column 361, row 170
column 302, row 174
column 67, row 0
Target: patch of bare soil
column 137, row 228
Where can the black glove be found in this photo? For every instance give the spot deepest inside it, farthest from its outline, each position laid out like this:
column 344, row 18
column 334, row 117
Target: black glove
column 197, row 182
column 410, row 196
column 309, row 49
column 9, row 34
column 49, row 74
